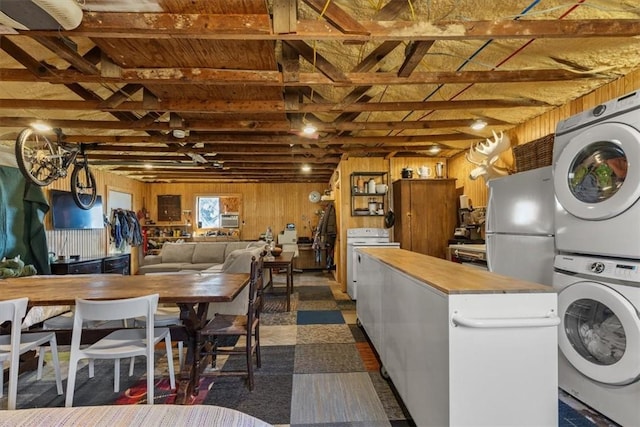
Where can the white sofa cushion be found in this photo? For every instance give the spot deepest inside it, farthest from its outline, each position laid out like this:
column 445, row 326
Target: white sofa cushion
column 208, row 253
column 239, row 261
column 177, row 252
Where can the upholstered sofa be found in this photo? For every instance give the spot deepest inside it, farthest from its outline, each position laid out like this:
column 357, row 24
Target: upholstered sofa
column 201, row 256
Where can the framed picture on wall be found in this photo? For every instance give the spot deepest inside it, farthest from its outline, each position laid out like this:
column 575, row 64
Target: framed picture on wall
column 169, row 208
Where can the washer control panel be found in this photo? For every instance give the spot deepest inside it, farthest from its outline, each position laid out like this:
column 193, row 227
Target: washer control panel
column 621, row 269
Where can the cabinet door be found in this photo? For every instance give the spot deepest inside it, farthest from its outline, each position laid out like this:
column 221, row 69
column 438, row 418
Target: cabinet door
column 425, row 214
column 402, row 210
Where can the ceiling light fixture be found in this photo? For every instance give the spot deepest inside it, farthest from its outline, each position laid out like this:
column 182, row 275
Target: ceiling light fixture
column 478, row 124
column 42, row 127
column 434, row 150
column 179, row 133
column 309, row 129
column 306, row 168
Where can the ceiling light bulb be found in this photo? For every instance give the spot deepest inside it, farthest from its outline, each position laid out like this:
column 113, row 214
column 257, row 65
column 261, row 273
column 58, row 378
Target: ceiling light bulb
column 148, row 166
column 478, row 124
column 42, row 127
column 434, row 150
column 309, row 129
column 179, row 133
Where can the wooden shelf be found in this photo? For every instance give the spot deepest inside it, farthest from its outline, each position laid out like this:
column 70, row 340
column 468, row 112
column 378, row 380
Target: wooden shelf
column 361, row 197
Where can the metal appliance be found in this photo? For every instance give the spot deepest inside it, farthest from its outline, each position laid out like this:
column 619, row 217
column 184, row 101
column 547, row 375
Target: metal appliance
column 230, row 220
column 363, row 237
column 599, row 337
column 519, row 226
column 597, row 180
column 288, row 239
column 473, row 255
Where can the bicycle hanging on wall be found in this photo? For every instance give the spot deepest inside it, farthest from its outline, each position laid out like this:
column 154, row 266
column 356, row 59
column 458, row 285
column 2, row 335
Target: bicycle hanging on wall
column 43, row 161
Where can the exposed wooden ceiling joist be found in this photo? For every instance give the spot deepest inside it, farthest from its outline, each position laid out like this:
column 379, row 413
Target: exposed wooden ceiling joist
column 239, row 79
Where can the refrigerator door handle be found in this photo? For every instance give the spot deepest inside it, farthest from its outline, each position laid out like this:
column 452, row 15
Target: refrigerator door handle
column 550, row 320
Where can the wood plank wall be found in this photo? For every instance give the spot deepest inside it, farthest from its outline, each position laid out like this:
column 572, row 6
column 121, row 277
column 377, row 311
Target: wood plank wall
column 262, row 205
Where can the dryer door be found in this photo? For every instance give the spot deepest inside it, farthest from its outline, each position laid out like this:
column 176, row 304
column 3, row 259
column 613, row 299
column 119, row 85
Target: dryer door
column 599, row 333
column 596, row 175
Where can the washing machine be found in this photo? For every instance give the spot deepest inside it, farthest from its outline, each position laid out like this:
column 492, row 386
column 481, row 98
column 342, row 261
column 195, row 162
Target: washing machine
column 599, row 333
column 596, row 175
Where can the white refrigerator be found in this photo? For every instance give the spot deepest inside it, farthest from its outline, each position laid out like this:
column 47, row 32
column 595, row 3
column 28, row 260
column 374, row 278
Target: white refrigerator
column 520, row 226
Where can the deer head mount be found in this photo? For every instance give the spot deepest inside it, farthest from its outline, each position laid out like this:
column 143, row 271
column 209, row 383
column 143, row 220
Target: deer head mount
column 484, row 155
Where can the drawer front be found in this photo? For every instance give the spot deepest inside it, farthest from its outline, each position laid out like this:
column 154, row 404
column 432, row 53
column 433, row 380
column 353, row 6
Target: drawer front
column 86, row 268
column 116, row 265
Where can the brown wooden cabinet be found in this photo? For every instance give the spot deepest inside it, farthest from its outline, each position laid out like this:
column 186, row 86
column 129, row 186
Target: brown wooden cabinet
column 425, row 214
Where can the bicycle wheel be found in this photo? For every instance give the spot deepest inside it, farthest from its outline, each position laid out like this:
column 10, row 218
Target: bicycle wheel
column 37, row 157
column 83, row 186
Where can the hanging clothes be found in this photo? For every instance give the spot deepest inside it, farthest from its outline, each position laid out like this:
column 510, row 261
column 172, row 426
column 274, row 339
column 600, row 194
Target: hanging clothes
column 22, row 210
column 125, row 229
column 325, row 236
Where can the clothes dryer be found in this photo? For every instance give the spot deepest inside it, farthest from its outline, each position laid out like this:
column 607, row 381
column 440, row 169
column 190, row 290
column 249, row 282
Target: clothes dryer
column 596, row 174
column 599, row 334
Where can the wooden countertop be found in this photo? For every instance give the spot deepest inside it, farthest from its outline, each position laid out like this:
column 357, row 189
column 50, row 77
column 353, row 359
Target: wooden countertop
column 450, row 277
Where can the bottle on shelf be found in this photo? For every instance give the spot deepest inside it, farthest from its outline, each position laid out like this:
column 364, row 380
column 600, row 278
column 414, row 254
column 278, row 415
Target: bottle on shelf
column 371, row 186
column 360, row 184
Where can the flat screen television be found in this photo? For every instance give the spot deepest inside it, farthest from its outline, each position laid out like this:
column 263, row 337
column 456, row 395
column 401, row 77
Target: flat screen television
column 66, row 214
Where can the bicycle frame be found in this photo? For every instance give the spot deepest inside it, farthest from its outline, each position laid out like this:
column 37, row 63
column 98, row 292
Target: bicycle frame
column 42, row 161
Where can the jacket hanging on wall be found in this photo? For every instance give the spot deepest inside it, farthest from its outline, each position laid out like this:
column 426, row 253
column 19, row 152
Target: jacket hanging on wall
column 326, row 232
column 22, row 210
column 125, row 228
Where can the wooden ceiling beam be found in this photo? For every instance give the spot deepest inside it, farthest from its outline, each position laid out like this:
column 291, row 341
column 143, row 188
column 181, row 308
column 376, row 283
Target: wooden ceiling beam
column 215, row 107
column 206, row 76
column 235, row 139
column 285, row 16
column 318, row 61
column 213, row 148
column 275, row 170
column 33, row 66
column 124, row 93
column 58, row 46
column 414, row 53
column 258, row 27
column 247, row 126
column 375, row 56
column 243, row 158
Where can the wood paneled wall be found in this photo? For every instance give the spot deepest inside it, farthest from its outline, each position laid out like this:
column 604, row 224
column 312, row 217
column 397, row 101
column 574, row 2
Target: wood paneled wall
column 262, row 205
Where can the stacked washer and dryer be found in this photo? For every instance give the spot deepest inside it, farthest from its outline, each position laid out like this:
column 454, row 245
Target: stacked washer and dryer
column 596, row 173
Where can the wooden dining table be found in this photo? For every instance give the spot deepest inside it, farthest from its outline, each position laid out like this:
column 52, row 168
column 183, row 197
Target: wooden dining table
column 191, row 292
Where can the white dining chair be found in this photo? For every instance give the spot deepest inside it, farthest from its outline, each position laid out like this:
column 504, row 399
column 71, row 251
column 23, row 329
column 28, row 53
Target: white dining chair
column 164, row 316
column 119, row 344
column 17, row 343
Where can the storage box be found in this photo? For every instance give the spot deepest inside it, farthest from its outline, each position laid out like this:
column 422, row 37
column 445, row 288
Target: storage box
column 534, row 154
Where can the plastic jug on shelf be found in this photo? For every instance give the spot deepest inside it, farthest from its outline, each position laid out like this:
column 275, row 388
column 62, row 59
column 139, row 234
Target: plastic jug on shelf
column 371, row 186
